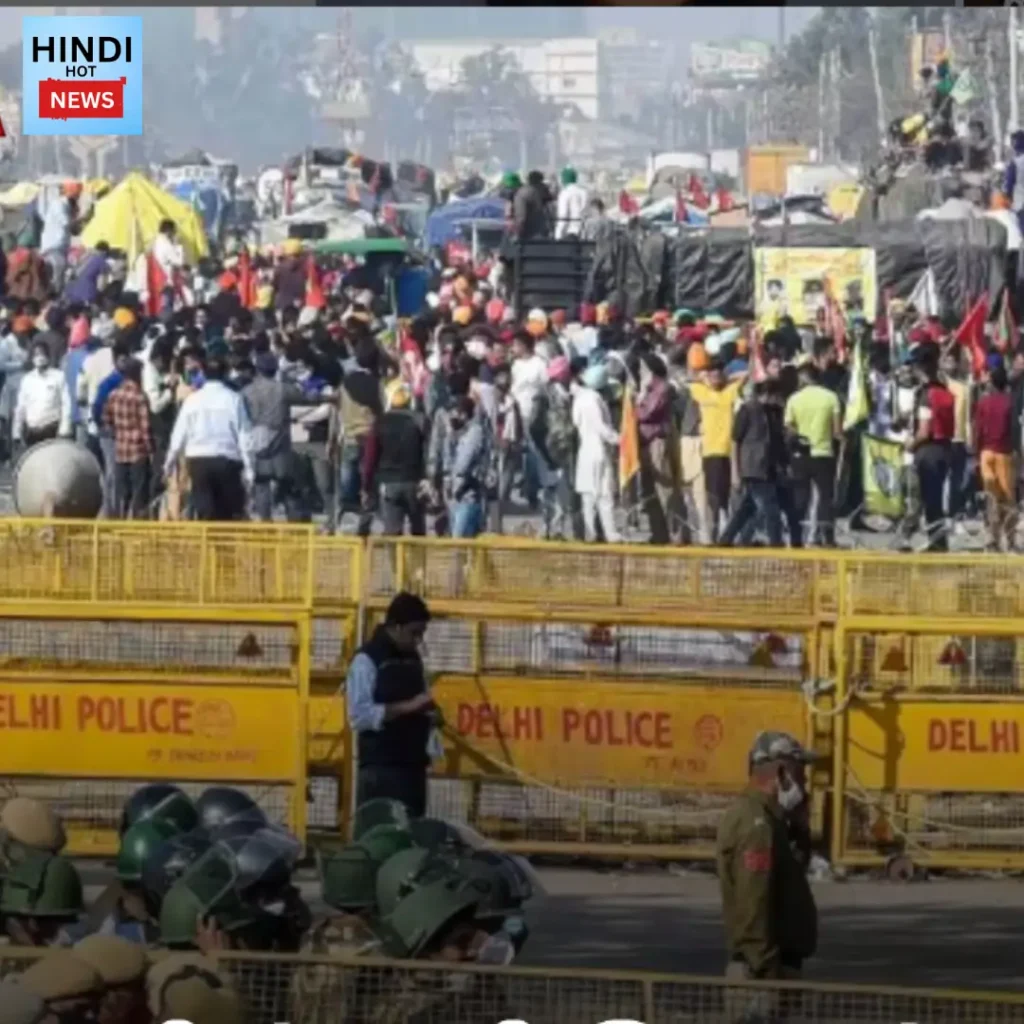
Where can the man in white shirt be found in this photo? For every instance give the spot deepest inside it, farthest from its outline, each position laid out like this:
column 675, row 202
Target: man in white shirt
column 169, row 257
column 43, row 409
column 529, row 378
column 213, row 432
column 572, row 202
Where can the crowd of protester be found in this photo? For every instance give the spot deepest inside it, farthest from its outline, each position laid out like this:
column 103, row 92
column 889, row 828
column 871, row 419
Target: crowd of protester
column 271, row 385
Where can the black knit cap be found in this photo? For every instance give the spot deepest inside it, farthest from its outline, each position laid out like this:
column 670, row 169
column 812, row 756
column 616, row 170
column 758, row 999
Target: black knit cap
column 405, row 609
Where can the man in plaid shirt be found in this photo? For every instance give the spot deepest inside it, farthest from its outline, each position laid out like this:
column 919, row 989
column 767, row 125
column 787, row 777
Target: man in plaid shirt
column 126, row 416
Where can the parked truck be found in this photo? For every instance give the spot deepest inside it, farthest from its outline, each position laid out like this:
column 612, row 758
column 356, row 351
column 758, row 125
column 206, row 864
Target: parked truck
column 765, row 167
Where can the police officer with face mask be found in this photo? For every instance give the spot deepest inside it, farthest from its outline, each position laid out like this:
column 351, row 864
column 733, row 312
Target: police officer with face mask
column 771, row 921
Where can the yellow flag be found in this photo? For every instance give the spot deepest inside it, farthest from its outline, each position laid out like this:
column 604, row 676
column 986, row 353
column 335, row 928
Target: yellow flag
column 629, row 442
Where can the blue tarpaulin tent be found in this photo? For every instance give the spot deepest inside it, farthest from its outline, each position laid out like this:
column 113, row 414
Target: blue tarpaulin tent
column 444, row 223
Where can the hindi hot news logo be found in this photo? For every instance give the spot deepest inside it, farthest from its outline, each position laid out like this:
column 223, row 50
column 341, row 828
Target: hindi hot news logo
column 81, row 75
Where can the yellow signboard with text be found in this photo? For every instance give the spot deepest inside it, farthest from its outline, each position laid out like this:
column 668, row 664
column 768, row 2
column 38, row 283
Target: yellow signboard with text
column 794, row 282
column 658, row 735
column 115, row 730
column 936, row 746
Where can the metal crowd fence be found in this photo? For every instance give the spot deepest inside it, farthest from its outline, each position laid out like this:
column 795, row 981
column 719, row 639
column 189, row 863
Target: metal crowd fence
column 596, row 696
column 306, row 989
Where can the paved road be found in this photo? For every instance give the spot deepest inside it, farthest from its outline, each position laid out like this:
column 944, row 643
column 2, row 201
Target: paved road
column 939, row 933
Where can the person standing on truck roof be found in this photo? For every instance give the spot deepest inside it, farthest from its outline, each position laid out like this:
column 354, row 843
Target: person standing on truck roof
column 391, row 709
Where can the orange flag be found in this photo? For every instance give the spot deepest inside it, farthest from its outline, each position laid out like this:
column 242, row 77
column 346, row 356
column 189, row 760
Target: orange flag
column 629, row 442
column 156, row 282
column 246, row 280
column 314, row 292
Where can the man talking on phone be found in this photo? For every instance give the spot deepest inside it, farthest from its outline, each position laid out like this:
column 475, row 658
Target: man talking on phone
column 771, row 921
column 391, row 711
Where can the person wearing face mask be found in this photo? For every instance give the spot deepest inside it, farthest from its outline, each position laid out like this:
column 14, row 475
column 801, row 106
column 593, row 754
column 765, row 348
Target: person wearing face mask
column 43, row 407
column 771, row 921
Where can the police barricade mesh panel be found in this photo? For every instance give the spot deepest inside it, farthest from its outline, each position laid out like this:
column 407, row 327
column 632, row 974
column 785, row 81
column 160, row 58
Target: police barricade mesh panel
column 559, row 734
column 319, row 990
column 188, row 564
column 934, row 728
column 540, row 817
column 666, row 580
column 933, row 586
column 157, row 648
column 96, row 804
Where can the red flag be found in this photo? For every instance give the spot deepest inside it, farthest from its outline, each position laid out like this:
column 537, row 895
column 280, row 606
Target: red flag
column 314, row 292
column 698, row 196
column 246, row 280
column 627, row 204
column 725, row 200
column 680, row 208
column 971, row 333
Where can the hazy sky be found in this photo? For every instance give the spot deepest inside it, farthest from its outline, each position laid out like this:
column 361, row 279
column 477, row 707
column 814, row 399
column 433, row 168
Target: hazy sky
column 682, row 23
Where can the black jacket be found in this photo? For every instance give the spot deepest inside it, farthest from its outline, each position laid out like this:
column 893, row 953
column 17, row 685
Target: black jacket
column 401, row 441
column 402, row 742
column 757, row 444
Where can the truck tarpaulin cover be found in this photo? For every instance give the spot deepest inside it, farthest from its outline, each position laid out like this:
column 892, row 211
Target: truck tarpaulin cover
column 444, row 225
column 714, row 270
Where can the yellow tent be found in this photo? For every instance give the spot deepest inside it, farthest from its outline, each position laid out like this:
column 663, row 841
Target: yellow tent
column 128, row 217
column 19, row 195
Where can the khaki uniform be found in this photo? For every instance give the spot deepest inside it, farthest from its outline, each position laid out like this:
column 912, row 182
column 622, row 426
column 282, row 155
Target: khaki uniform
column 319, row 991
column 771, row 921
column 435, row 998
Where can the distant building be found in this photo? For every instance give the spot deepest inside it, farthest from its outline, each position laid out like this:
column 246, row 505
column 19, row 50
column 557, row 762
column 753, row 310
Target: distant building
column 602, row 78
column 565, row 71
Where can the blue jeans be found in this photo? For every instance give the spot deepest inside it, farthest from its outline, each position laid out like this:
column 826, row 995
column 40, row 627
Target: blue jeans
column 760, row 500
column 467, row 518
column 350, row 485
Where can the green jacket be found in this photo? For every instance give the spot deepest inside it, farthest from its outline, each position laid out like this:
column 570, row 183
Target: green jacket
column 768, row 909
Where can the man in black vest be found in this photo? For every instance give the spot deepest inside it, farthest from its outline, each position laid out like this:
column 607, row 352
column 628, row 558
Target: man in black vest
column 390, row 708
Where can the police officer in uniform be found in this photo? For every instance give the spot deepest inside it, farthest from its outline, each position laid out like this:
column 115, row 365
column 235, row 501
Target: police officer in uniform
column 41, row 897
column 391, row 709
column 122, row 966
column 28, row 825
column 189, row 987
column 771, row 921
column 69, row 987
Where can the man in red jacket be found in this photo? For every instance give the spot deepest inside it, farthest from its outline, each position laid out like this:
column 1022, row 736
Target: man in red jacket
column 934, row 427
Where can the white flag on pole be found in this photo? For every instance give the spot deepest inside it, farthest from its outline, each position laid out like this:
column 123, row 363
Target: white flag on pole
column 925, row 297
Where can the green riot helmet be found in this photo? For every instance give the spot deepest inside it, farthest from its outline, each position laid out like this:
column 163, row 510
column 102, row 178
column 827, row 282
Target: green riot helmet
column 168, row 862
column 225, row 805
column 349, row 876
column 266, row 858
column 139, row 843
column 398, row 875
column 434, row 834
column 501, row 880
column 423, row 913
column 42, row 885
column 159, row 800
column 379, row 812
column 207, row 889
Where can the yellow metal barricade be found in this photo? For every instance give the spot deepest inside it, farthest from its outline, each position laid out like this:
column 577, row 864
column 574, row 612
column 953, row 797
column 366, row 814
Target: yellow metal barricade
column 321, row 990
column 927, row 766
column 604, row 698
column 305, row 989
column 96, row 699
column 597, row 697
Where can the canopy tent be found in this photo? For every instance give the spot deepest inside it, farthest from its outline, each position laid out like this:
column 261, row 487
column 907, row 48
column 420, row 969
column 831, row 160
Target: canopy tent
column 444, row 224
column 21, row 194
column 129, row 216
